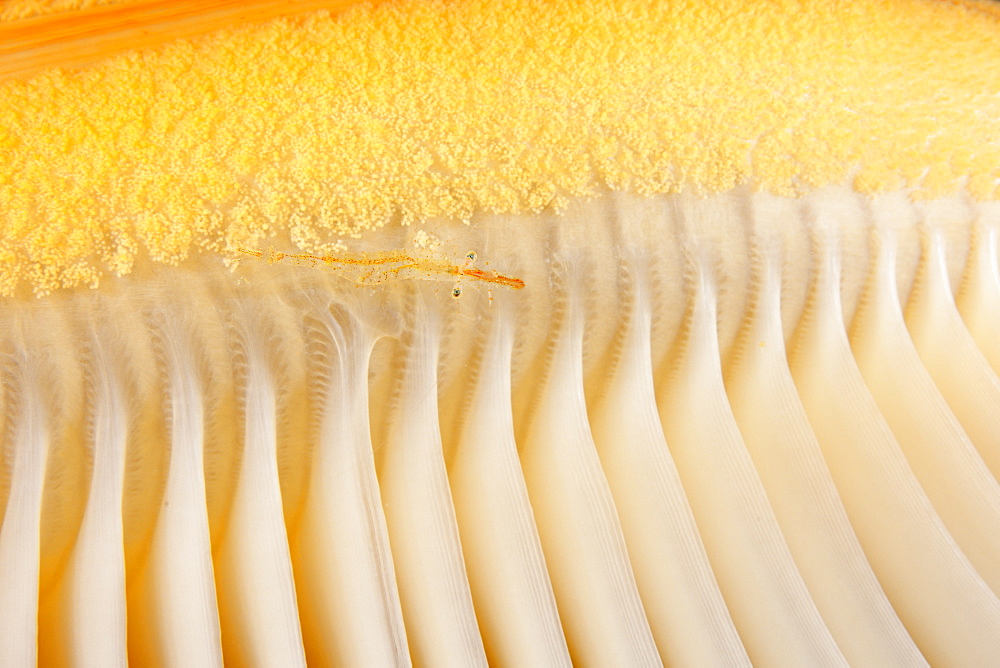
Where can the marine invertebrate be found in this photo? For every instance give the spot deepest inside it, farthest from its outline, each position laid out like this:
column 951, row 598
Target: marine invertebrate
column 394, row 265
column 744, row 409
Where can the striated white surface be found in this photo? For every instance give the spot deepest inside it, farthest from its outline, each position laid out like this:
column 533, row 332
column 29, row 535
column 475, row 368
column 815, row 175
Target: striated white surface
column 708, row 431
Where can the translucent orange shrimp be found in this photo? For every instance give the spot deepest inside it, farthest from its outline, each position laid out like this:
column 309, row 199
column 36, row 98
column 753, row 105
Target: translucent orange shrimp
column 379, row 267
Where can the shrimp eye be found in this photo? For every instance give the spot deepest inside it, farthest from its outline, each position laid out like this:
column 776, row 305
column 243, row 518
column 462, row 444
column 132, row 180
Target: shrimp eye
column 471, row 256
column 456, row 292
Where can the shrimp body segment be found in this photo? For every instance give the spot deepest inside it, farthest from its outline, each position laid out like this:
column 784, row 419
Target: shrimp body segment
column 384, row 266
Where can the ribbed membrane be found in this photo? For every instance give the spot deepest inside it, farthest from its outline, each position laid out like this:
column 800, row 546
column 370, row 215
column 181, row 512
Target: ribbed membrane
column 709, row 431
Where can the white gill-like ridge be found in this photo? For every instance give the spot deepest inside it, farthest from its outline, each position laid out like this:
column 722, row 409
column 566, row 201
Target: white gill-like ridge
column 771, row 607
column 949, row 353
column 95, row 628
column 26, row 450
column 433, row 585
column 799, row 486
column 256, row 588
column 708, row 431
column 685, row 608
column 961, row 488
column 948, row 609
column 579, row 528
column 348, row 598
column 178, row 579
column 979, row 294
column 514, row 603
